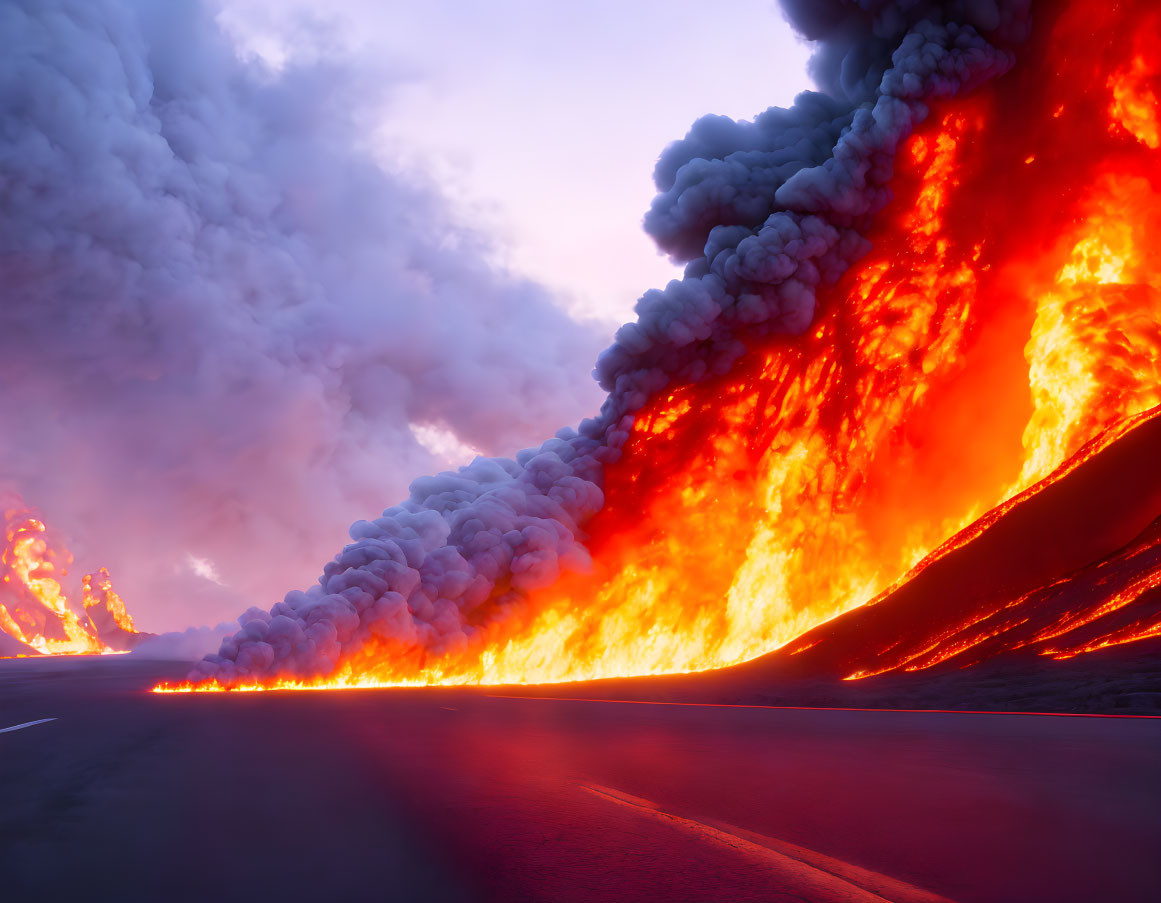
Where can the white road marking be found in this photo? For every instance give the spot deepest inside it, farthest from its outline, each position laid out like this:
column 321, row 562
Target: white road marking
column 20, row 727
column 821, row 877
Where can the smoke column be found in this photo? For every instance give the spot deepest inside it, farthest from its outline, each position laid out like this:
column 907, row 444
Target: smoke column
column 763, row 213
column 221, row 317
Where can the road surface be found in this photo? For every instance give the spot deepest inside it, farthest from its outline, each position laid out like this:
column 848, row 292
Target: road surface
column 467, row 795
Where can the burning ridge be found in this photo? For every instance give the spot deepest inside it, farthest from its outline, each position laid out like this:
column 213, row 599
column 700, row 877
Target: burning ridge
column 765, row 214
column 1071, row 565
column 36, row 615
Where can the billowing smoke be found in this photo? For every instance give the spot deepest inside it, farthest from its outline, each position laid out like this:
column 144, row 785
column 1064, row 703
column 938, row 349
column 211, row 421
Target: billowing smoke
column 185, row 645
column 222, row 319
column 764, row 213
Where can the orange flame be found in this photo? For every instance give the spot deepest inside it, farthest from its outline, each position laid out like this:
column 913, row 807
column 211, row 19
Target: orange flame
column 1093, row 356
column 1134, row 107
column 104, row 598
column 1007, row 316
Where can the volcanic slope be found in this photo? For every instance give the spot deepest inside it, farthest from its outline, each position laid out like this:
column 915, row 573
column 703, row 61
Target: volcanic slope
column 1051, row 601
column 1073, row 562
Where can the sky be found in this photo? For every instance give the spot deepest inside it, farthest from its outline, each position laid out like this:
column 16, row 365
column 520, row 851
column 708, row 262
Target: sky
column 267, row 262
column 534, row 125
column 543, row 120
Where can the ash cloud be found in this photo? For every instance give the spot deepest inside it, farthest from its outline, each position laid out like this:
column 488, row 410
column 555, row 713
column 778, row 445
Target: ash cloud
column 764, row 213
column 237, row 317
column 185, row 645
column 221, row 317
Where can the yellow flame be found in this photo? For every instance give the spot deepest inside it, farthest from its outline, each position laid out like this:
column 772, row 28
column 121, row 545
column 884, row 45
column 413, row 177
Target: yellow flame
column 771, row 514
column 1093, row 356
column 1134, row 106
column 40, row 607
column 97, row 592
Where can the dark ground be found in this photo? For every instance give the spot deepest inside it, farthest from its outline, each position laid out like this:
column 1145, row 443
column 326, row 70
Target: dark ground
column 1119, row 681
column 459, row 795
column 1123, row 680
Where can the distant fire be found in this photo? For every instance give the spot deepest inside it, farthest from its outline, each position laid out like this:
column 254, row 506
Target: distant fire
column 99, row 596
column 1009, row 314
column 34, row 609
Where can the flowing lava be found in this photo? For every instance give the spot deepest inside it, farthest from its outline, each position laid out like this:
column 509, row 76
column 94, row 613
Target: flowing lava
column 1005, row 328
column 34, row 609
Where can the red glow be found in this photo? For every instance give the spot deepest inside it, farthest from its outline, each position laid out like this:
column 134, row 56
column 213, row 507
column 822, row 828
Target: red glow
column 816, row 708
column 1007, row 319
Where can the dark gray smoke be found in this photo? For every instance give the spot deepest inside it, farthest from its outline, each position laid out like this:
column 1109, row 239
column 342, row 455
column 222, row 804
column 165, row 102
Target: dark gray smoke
column 764, row 213
column 220, row 316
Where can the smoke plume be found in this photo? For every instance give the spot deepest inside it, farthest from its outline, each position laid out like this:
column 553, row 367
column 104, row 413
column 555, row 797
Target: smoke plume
column 185, row 645
column 222, row 320
column 763, row 213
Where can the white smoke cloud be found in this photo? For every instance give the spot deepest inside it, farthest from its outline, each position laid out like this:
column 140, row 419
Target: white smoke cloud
column 220, row 316
column 204, row 568
column 185, row 645
column 444, row 444
column 223, row 321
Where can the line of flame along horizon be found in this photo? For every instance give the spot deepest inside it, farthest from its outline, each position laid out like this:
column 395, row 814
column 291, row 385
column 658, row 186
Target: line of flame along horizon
column 1007, row 316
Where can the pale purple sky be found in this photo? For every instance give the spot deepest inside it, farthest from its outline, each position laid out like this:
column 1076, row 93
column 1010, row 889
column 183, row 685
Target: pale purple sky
column 543, row 119
column 248, row 338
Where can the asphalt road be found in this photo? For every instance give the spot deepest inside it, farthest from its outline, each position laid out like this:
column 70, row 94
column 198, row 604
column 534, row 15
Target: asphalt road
column 453, row 795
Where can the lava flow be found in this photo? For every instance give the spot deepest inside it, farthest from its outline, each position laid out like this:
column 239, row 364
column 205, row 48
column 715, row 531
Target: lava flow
column 1003, row 330
column 36, row 617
